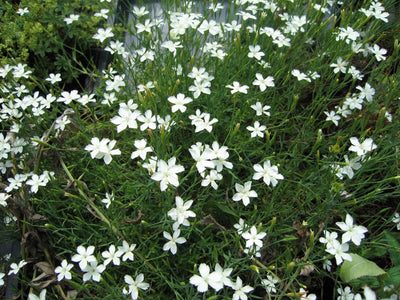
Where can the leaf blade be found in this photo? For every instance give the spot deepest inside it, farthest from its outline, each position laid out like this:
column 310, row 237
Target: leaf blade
column 359, row 267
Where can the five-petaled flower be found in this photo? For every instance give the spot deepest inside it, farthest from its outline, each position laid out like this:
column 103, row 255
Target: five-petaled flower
column 84, row 256
column 135, row 285
column 362, row 148
column 262, row 82
column 237, row 88
column 172, row 241
column 269, row 173
column 166, row 173
column 206, row 279
column 63, row 271
column 244, row 193
column 354, row 233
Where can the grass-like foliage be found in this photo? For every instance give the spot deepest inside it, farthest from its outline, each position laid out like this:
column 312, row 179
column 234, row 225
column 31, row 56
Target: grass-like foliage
column 240, row 149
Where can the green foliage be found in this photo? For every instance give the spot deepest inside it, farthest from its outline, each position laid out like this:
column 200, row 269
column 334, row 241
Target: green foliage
column 41, row 36
column 359, row 267
column 307, row 148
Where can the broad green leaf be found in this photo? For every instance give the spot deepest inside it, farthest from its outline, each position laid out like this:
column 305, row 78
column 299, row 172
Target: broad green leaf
column 393, row 277
column 394, row 247
column 359, row 267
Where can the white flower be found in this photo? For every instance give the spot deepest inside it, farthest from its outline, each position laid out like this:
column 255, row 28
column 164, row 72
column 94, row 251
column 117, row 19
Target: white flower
column 97, row 147
column 71, row 18
column 205, row 279
column 200, row 87
column 181, row 212
column 354, row 233
column 3, row 198
column 63, row 271
column 329, row 239
column 126, row 118
column 111, row 255
column 103, row 34
column 240, row 226
column 93, row 271
column 179, row 102
column 270, row 284
column 306, row 296
column 166, row 173
column 61, row 122
column 102, row 149
column 332, row 116
column 109, row 151
column 339, row 66
column 262, row 82
column 237, row 88
column 362, row 148
column 367, row 92
column 53, row 78
column 22, row 11
column 351, row 164
column 224, row 275
column 211, row 178
column 116, row 83
column 252, row 237
column 151, row 165
column 205, row 123
column 171, row 46
column 255, row 52
column 135, row 285
column 222, row 155
column 68, row 97
column 103, row 13
column 244, row 193
column 260, row 109
column 108, row 199
column 84, row 256
column 257, row 130
column 203, row 157
column 240, row 290
column 148, row 120
column 142, row 150
column 396, row 220
column 300, row 76
column 172, row 241
column 369, row 294
column 327, row 265
column 140, row 11
column 269, row 173
column 42, row 295
column 379, row 52
column 35, row 182
column 126, row 250
column 339, row 251
column 345, row 294
column 1, row 278
column 16, row 267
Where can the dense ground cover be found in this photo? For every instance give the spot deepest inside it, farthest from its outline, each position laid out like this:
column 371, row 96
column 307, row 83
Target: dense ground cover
column 244, row 150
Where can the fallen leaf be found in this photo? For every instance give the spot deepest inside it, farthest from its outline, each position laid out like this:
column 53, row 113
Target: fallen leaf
column 306, row 270
column 209, row 219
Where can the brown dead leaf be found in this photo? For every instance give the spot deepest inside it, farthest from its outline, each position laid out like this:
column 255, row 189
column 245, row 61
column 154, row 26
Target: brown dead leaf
column 134, row 221
column 72, row 294
column 37, row 217
column 45, row 267
column 209, row 219
column 47, row 273
column 301, row 232
column 306, row 270
column 44, row 284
